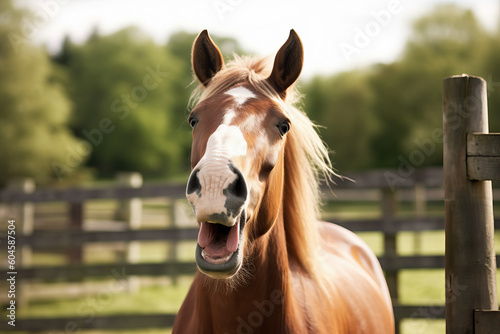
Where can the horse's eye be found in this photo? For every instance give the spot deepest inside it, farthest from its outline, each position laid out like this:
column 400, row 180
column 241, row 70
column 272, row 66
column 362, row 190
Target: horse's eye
column 193, row 121
column 284, row 127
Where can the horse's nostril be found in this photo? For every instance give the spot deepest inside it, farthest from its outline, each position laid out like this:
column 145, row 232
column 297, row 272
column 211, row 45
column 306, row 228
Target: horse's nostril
column 194, row 183
column 238, row 187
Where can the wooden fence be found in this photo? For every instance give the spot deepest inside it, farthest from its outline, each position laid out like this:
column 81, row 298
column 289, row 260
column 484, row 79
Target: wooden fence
column 471, row 161
column 391, row 185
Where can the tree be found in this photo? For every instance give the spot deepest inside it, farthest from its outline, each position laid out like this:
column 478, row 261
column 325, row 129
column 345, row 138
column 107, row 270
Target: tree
column 392, row 112
column 35, row 140
column 179, row 45
column 447, row 41
column 448, row 38
column 342, row 106
column 123, row 88
column 491, row 74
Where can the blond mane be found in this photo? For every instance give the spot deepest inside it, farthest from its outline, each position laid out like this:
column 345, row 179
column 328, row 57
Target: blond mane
column 306, row 156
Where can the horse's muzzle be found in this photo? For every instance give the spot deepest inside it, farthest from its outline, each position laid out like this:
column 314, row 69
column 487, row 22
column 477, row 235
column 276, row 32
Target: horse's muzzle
column 217, row 192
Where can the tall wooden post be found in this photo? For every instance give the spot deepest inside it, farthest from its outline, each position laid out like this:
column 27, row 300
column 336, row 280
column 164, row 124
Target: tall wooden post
column 389, row 208
column 75, row 254
column 24, row 215
column 173, row 244
column 420, row 211
column 130, row 210
column 470, row 258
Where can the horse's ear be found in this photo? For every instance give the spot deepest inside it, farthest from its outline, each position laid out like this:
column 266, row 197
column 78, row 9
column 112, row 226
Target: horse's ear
column 205, row 58
column 287, row 64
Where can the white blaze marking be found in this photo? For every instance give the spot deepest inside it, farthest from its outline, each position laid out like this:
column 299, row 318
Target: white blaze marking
column 226, row 140
column 214, row 173
column 241, row 94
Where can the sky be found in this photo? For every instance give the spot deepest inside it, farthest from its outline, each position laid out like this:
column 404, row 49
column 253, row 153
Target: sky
column 337, row 35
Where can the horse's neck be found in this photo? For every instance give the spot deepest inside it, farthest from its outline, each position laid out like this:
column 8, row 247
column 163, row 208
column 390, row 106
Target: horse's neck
column 266, row 297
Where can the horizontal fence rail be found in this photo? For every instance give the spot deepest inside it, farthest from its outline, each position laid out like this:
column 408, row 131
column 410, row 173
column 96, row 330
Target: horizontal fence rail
column 75, row 324
column 390, row 178
column 483, row 156
column 80, row 194
column 68, row 238
column 77, row 271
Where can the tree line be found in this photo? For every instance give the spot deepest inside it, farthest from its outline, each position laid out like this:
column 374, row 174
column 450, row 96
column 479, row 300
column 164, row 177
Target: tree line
column 119, row 102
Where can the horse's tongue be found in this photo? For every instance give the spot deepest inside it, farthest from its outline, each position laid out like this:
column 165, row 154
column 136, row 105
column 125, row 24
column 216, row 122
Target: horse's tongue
column 233, row 238
column 204, row 235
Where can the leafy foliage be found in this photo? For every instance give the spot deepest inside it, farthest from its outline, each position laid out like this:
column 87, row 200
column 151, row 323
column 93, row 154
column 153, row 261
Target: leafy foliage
column 34, row 110
column 343, row 106
column 123, row 90
column 393, row 111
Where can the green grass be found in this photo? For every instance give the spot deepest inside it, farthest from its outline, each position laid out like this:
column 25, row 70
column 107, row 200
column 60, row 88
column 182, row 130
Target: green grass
column 423, row 326
column 115, row 299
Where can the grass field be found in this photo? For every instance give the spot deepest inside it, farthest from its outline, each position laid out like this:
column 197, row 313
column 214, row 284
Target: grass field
column 417, row 287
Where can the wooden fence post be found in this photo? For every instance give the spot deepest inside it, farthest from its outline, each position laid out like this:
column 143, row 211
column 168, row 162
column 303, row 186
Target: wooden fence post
column 24, row 215
column 75, row 254
column 470, row 258
column 130, row 210
column 420, row 211
column 389, row 207
column 173, row 244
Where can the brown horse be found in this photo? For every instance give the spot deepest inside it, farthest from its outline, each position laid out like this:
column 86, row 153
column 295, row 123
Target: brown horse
column 265, row 264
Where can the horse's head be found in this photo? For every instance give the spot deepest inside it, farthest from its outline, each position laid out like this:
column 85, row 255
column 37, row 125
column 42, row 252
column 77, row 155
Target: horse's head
column 240, row 126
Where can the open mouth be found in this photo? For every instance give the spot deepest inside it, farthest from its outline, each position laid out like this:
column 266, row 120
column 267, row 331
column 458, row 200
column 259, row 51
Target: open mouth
column 218, row 248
